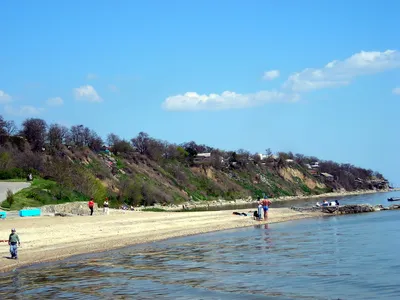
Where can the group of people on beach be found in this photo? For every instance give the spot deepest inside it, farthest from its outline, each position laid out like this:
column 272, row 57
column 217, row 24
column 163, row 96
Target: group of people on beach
column 262, row 209
column 106, row 206
column 326, row 203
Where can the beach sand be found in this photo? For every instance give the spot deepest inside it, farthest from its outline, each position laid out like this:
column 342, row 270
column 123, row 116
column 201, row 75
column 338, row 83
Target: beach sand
column 53, row 238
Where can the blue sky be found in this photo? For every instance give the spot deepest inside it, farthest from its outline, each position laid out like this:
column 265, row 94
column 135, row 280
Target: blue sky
column 315, row 77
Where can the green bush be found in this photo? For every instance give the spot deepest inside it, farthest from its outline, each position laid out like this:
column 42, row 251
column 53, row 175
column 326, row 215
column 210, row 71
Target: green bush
column 10, row 197
column 133, row 193
column 120, row 163
column 12, row 173
column 153, row 194
column 306, row 189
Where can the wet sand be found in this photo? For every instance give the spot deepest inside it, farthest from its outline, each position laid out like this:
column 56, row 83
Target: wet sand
column 54, row 238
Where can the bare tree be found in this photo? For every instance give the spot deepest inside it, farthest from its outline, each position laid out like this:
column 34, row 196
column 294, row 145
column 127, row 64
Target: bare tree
column 122, row 146
column 76, row 135
column 141, row 142
column 155, row 149
column 87, row 136
column 216, row 159
column 300, row 158
column 171, row 151
column 57, row 135
column 95, row 142
column 256, row 158
column 35, row 130
column 2, row 126
column 11, row 128
column 7, row 127
column 82, row 136
column 113, row 139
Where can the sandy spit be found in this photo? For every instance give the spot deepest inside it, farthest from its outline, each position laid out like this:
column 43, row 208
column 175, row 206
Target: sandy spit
column 53, row 238
column 238, row 202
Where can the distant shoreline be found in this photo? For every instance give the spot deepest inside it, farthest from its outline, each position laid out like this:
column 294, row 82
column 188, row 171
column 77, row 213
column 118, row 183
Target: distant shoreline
column 243, row 202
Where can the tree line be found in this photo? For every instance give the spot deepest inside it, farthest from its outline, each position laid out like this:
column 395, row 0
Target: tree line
column 41, row 137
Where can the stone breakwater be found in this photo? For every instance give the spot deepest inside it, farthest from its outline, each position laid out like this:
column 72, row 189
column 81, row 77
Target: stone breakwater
column 67, row 209
column 346, row 209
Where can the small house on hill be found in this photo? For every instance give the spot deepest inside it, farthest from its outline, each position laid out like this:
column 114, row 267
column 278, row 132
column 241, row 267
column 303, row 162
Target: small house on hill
column 328, row 176
column 262, row 156
column 315, row 165
column 202, row 158
column 267, row 157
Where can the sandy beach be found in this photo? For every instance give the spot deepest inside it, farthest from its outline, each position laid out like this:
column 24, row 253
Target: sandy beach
column 53, row 238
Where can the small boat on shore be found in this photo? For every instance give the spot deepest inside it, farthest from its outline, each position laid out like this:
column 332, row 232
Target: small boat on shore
column 394, row 199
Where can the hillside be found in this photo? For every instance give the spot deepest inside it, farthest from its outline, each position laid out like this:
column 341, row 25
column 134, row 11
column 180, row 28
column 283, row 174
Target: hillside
column 74, row 164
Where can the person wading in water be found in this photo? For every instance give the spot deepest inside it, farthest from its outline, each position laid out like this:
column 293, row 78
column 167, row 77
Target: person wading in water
column 265, row 204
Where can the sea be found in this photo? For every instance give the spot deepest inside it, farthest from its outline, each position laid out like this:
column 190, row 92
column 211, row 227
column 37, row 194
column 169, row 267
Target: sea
column 339, row 257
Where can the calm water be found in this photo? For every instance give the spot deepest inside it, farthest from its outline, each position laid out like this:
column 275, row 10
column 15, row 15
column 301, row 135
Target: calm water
column 368, row 198
column 346, row 257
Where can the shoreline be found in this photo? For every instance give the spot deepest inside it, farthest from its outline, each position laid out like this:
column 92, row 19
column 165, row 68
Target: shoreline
column 78, row 235
column 71, row 236
column 249, row 201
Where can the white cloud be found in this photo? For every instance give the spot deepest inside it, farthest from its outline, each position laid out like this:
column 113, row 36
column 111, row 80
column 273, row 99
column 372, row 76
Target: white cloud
column 4, row 98
column 88, row 93
column 23, row 110
column 56, row 101
column 92, row 76
column 339, row 73
column 335, row 73
column 113, row 88
column 227, row 100
column 270, row 75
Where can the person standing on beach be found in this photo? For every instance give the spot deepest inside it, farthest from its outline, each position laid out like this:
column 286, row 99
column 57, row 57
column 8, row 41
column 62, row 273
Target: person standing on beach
column 259, row 212
column 265, row 204
column 12, row 242
column 91, row 205
column 106, row 207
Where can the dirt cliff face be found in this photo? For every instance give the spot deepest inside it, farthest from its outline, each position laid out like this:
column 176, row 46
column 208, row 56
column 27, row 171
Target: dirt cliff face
column 295, row 175
column 204, row 182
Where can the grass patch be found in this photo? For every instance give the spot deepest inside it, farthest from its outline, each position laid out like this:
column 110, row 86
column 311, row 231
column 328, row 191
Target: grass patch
column 306, row 189
column 120, row 164
column 42, row 192
column 318, row 190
